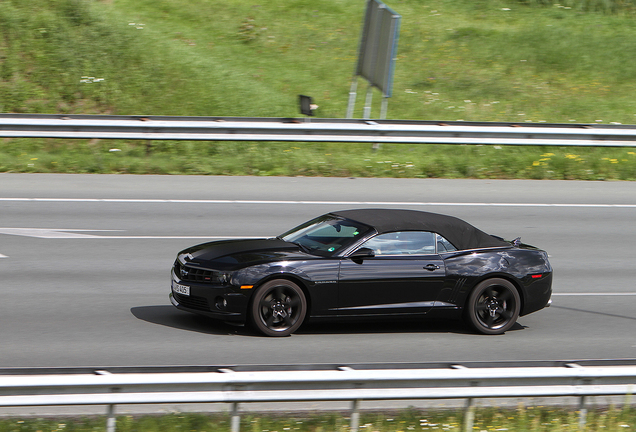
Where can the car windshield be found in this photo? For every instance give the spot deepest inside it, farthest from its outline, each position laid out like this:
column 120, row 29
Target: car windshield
column 326, row 235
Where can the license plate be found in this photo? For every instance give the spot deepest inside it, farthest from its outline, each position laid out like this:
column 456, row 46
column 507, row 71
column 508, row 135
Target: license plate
column 180, row 289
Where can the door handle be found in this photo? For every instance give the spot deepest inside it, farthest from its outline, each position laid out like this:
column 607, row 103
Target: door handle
column 431, row 267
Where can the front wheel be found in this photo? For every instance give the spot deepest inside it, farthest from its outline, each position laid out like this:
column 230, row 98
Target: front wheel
column 278, row 308
column 493, row 306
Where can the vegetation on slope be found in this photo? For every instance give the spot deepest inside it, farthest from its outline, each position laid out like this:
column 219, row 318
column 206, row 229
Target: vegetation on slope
column 480, row 60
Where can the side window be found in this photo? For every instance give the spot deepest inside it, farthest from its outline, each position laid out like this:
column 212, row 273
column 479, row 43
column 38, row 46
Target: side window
column 402, row 243
column 444, row 245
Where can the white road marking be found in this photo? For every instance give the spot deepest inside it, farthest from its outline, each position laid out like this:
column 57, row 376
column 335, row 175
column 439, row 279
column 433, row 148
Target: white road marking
column 72, row 233
column 48, row 232
column 596, row 294
column 342, row 203
column 3, row 256
column 183, row 237
column 176, row 237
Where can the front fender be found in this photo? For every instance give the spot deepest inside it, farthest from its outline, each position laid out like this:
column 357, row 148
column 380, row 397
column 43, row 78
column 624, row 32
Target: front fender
column 317, row 278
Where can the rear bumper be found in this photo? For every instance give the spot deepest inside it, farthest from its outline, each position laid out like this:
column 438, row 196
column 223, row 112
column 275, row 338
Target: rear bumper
column 538, row 295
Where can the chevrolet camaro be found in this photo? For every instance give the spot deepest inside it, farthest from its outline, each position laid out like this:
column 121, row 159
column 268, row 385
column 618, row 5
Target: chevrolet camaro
column 365, row 264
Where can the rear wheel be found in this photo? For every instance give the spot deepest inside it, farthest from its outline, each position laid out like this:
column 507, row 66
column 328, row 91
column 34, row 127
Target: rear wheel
column 278, row 308
column 493, row 306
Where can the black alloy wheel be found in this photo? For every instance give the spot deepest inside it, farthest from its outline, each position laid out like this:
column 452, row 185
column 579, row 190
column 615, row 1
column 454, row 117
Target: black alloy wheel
column 278, row 308
column 493, row 306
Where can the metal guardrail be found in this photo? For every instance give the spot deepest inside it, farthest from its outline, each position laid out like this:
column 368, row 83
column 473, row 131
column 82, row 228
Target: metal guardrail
column 316, row 130
column 343, row 383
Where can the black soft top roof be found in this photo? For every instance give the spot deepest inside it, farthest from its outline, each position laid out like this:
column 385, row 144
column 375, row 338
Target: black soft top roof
column 461, row 234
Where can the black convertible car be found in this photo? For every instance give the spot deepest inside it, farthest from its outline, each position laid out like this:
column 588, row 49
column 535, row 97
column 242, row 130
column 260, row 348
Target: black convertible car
column 367, row 263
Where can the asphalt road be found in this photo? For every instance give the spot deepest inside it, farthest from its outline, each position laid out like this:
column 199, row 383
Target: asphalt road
column 85, row 260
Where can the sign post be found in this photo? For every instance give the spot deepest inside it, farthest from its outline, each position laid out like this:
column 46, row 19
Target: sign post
column 377, row 55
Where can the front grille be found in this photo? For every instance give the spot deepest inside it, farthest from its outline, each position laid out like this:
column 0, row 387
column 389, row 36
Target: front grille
column 194, row 274
column 192, row 302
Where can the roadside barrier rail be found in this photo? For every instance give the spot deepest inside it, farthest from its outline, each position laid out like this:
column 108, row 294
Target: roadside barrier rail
column 344, row 383
column 316, row 130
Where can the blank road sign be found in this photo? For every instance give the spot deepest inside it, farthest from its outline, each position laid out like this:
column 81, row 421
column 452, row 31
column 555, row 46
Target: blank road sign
column 378, row 46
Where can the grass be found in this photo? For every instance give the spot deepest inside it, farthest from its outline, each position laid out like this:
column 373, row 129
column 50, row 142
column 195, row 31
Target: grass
column 320, row 159
column 486, row 419
column 477, row 60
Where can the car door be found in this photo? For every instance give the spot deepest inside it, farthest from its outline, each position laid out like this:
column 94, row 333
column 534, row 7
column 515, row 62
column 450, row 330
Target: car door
column 403, row 277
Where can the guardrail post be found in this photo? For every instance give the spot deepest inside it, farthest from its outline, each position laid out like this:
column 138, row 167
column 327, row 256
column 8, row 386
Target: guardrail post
column 582, row 413
column 355, row 416
column 469, row 415
column 236, row 418
column 111, row 421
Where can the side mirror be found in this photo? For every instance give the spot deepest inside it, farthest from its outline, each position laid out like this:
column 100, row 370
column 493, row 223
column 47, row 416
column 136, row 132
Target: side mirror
column 362, row 253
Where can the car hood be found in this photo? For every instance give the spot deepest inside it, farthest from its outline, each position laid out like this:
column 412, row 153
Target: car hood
column 229, row 254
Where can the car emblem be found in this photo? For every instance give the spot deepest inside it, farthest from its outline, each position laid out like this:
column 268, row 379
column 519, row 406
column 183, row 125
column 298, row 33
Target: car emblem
column 184, row 272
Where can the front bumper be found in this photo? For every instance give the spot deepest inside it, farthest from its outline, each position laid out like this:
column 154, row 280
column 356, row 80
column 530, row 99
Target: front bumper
column 223, row 302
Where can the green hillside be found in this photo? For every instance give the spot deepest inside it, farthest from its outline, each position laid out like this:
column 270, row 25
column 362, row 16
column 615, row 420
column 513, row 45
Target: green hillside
column 480, row 60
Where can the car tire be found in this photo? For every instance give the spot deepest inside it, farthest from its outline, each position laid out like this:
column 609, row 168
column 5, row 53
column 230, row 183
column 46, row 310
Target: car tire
column 493, row 306
column 278, row 308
